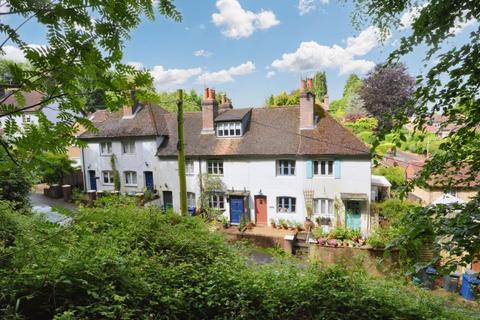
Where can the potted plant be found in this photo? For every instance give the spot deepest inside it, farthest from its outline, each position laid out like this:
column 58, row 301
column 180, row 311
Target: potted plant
column 298, row 226
column 225, row 222
column 291, row 225
column 273, row 223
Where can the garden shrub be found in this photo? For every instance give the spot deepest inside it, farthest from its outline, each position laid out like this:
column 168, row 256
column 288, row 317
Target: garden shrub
column 395, row 175
column 53, row 167
column 15, row 183
column 125, row 262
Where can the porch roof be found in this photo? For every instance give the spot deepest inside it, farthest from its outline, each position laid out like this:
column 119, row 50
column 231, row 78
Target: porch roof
column 354, row 196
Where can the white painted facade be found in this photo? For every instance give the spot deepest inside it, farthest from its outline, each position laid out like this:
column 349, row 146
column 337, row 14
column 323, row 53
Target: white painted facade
column 258, row 176
column 141, row 161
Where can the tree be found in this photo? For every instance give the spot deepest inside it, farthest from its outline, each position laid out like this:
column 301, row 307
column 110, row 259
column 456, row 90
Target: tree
column 192, row 101
column 15, row 183
column 53, row 167
column 352, row 86
column 449, row 86
column 320, row 85
column 355, row 106
column 84, row 41
column 388, row 91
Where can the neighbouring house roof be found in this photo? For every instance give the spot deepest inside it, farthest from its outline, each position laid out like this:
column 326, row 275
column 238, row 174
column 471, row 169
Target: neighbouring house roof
column 233, row 114
column 31, row 98
column 272, row 131
column 148, row 121
column 380, row 181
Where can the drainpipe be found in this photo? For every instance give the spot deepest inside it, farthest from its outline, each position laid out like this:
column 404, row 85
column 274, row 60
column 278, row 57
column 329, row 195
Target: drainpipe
column 200, row 181
column 84, row 172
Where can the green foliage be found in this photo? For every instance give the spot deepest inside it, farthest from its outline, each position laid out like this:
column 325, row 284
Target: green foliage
column 395, row 175
column 293, row 98
column 116, row 173
column 137, row 263
column 15, row 183
column 352, row 87
column 192, row 101
column 53, row 167
column 9, row 227
column 395, row 209
column 320, row 85
column 83, row 57
column 362, row 125
column 343, row 233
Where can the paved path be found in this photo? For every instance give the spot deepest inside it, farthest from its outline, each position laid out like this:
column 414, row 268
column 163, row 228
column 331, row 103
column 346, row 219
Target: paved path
column 38, row 199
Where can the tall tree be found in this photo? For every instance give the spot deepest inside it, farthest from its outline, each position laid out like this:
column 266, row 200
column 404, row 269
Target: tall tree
column 352, row 86
column 84, row 40
column 388, row 91
column 449, row 86
column 320, row 85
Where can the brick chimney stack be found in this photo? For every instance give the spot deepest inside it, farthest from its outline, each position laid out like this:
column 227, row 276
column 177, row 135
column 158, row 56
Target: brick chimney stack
column 326, row 103
column 307, row 105
column 226, row 103
column 209, row 111
column 130, row 109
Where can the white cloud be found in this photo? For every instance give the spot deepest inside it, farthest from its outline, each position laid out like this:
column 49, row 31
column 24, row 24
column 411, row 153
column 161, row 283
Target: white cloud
column 136, row 64
column 16, row 54
column 409, row 17
column 461, row 25
column 313, row 56
column 239, row 23
column 270, row 74
column 202, row 53
column 165, row 79
column 226, row 75
column 305, row 6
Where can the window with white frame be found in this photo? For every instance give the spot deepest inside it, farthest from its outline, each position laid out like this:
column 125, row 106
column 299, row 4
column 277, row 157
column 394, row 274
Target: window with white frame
column 26, row 118
column 106, row 148
column 286, row 204
column 285, row 167
column 215, row 167
column 130, row 178
column 191, row 199
column 229, row 129
column 189, row 168
column 323, row 207
column 107, row 177
column 323, row 167
column 128, row 147
column 451, row 192
column 217, row 200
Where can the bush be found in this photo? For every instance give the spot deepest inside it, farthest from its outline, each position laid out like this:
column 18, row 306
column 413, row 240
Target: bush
column 15, row 184
column 137, row 263
column 395, row 175
column 53, row 167
column 395, row 209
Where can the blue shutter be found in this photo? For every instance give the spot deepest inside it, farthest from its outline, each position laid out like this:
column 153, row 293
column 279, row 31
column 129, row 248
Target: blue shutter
column 309, row 169
column 337, row 169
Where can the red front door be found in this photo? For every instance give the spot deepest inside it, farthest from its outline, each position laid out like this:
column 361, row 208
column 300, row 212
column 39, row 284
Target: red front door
column 261, row 209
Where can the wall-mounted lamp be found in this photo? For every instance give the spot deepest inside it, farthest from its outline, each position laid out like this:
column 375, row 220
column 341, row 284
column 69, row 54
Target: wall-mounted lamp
column 166, row 186
column 146, row 163
column 89, row 166
column 260, row 192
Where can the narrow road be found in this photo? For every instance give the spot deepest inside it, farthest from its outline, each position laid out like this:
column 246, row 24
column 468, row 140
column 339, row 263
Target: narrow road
column 38, row 199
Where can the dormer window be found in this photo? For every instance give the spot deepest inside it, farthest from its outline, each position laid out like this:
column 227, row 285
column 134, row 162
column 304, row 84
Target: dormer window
column 229, row 129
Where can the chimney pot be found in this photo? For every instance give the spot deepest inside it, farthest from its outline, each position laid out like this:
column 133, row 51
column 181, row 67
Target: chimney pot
column 212, row 94
column 303, row 85
column 309, row 83
column 206, row 93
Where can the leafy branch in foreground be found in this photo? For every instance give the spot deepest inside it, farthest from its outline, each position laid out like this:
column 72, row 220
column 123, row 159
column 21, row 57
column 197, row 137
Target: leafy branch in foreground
column 81, row 57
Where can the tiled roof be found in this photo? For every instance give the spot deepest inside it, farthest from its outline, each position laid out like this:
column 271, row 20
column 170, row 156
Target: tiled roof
column 31, row 98
column 272, row 131
column 233, row 114
column 148, row 121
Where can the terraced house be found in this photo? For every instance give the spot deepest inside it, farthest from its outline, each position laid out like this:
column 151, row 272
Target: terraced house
column 273, row 163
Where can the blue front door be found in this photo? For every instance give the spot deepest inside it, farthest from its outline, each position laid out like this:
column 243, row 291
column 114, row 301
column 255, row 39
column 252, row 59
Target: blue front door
column 149, row 180
column 93, row 179
column 236, row 210
column 352, row 215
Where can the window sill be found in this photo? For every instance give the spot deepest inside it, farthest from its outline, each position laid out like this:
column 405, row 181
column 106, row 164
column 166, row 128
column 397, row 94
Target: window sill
column 105, row 154
column 107, row 184
column 131, row 185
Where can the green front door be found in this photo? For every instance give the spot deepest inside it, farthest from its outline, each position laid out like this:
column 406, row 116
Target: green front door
column 352, row 215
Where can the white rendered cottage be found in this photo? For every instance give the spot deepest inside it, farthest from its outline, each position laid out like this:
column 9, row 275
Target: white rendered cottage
column 274, row 163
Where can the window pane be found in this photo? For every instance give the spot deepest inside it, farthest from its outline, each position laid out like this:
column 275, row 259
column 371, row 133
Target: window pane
column 330, row 167
column 322, row 207
column 330, row 207
column 323, row 168
column 315, row 206
column 315, row 167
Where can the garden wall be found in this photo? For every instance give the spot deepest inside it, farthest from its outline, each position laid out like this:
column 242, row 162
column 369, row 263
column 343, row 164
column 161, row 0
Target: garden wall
column 374, row 261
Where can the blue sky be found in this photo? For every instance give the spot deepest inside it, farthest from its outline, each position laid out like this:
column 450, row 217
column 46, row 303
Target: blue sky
column 251, row 49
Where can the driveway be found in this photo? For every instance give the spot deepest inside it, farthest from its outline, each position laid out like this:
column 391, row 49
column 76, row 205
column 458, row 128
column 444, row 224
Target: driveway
column 38, row 199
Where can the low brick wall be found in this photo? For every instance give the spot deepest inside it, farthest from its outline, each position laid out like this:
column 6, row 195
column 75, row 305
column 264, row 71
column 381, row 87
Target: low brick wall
column 263, row 241
column 374, row 261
